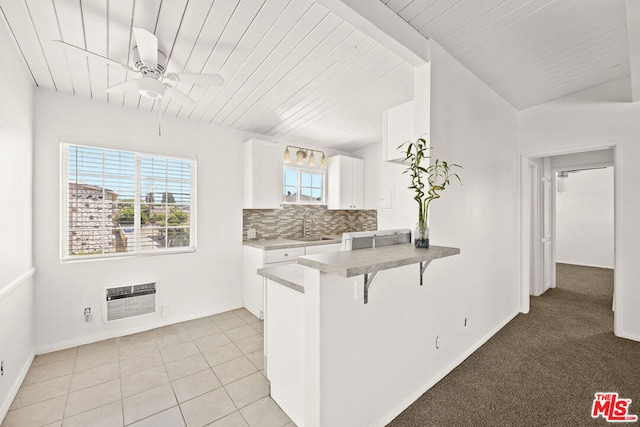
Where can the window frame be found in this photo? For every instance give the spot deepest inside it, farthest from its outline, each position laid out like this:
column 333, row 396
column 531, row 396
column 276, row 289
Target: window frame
column 66, row 257
column 299, row 171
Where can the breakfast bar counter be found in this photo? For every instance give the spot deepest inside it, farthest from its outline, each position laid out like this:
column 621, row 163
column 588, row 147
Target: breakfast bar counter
column 364, row 261
column 335, row 361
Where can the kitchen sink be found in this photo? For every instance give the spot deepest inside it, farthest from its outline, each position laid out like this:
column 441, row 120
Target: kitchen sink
column 313, row 239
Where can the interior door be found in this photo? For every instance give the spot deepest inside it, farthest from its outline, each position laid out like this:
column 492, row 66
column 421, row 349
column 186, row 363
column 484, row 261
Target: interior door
column 535, row 273
column 548, row 207
column 542, row 194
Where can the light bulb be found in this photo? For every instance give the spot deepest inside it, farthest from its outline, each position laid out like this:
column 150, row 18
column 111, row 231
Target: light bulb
column 323, row 161
column 300, row 157
column 312, row 159
column 287, row 155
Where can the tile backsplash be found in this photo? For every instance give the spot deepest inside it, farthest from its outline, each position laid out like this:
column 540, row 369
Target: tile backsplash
column 286, row 223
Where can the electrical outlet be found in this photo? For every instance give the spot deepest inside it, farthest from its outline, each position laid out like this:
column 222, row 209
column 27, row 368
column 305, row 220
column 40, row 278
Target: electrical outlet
column 165, row 311
column 87, row 314
column 1, row 368
column 465, row 322
column 251, row 233
column 437, row 342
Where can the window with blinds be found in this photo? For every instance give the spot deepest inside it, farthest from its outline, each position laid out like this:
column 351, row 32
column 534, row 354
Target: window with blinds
column 121, row 202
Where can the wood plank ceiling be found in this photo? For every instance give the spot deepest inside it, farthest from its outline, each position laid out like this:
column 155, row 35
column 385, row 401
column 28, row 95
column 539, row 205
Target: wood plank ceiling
column 529, row 51
column 283, row 77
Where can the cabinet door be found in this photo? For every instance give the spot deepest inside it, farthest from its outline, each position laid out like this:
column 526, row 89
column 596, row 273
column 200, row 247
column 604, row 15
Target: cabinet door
column 262, row 175
column 345, row 183
column 346, row 186
column 253, row 285
column 398, row 128
column 336, row 185
column 357, row 184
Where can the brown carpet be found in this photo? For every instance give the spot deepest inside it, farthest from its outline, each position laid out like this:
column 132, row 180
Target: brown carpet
column 543, row 368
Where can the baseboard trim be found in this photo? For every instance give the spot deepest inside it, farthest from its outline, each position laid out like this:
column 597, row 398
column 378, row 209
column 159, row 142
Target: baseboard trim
column 15, row 283
column 629, row 336
column 443, row 373
column 585, row 265
column 13, row 392
column 63, row 345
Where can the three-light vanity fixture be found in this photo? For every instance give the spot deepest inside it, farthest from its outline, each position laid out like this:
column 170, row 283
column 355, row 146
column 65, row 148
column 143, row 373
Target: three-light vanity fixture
column 304, row 153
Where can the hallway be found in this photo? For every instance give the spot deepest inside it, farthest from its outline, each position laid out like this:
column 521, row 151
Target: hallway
column 544, row 367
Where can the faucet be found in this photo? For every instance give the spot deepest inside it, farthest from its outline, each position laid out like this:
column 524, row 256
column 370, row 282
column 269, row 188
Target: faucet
column 304, row 221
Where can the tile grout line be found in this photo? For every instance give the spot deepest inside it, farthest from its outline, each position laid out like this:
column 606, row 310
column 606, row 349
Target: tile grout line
column 180, row 328
column 166, row 371
column 121, row 391
column 66, row 402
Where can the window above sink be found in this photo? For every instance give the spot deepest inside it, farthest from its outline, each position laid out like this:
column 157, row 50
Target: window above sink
column 303, row 186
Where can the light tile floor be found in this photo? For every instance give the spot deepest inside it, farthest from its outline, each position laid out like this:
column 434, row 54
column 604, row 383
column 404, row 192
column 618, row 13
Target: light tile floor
column 205, row 372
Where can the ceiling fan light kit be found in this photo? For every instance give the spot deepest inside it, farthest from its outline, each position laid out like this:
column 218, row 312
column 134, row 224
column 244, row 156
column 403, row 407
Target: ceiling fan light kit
column 150, row 87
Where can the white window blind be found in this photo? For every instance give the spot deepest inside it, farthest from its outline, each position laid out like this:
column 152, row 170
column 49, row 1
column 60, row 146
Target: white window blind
column 122, row 202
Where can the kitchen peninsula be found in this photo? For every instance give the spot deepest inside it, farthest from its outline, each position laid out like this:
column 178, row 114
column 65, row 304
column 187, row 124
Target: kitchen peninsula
column 332, row 359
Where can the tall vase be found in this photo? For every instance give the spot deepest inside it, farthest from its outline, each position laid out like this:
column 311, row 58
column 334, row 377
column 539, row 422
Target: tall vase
column 421, row 236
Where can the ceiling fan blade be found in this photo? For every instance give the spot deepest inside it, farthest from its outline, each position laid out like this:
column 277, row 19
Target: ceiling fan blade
column 147, row 45
column 123, row 87
column 178, row 96
column 197, row 79
column 75, row 49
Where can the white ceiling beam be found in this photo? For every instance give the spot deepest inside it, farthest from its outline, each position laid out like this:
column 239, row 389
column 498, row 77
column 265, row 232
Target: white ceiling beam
column 383, row 25
column 633, row 30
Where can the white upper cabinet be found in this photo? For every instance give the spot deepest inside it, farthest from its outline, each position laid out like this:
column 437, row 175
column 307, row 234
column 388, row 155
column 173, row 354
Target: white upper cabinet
column 262, row 175
column 398, row 128
column 345, row 183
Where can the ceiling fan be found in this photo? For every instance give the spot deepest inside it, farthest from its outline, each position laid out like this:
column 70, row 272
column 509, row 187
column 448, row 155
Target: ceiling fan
column 154, row 83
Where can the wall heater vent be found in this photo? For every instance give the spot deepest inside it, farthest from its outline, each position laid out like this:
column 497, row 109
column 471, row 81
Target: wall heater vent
column 131, row 300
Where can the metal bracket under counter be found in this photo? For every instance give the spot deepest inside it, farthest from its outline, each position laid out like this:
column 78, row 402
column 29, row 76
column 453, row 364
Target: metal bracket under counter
column 368, row 278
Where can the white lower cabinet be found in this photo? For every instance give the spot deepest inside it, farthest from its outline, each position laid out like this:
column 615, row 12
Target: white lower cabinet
column 284, row 353
column 255, row 258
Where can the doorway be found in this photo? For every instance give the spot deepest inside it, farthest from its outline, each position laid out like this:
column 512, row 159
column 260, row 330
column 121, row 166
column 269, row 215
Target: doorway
column 584, row 217
column 542, row 178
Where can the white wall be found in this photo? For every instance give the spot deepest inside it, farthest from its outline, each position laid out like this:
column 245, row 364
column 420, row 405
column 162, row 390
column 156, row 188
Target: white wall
column 470, row 125
column 584, row 218
column 582, row 121
column 384, row 177
column 16, row 250
column 192, row 284
column 474, row 127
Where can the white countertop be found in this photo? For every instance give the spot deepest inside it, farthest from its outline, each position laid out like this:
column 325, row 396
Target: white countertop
column 290, row 243
column 290, row 275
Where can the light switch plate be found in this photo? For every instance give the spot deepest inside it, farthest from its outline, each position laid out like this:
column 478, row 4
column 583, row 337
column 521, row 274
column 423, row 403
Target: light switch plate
column 385, row 199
